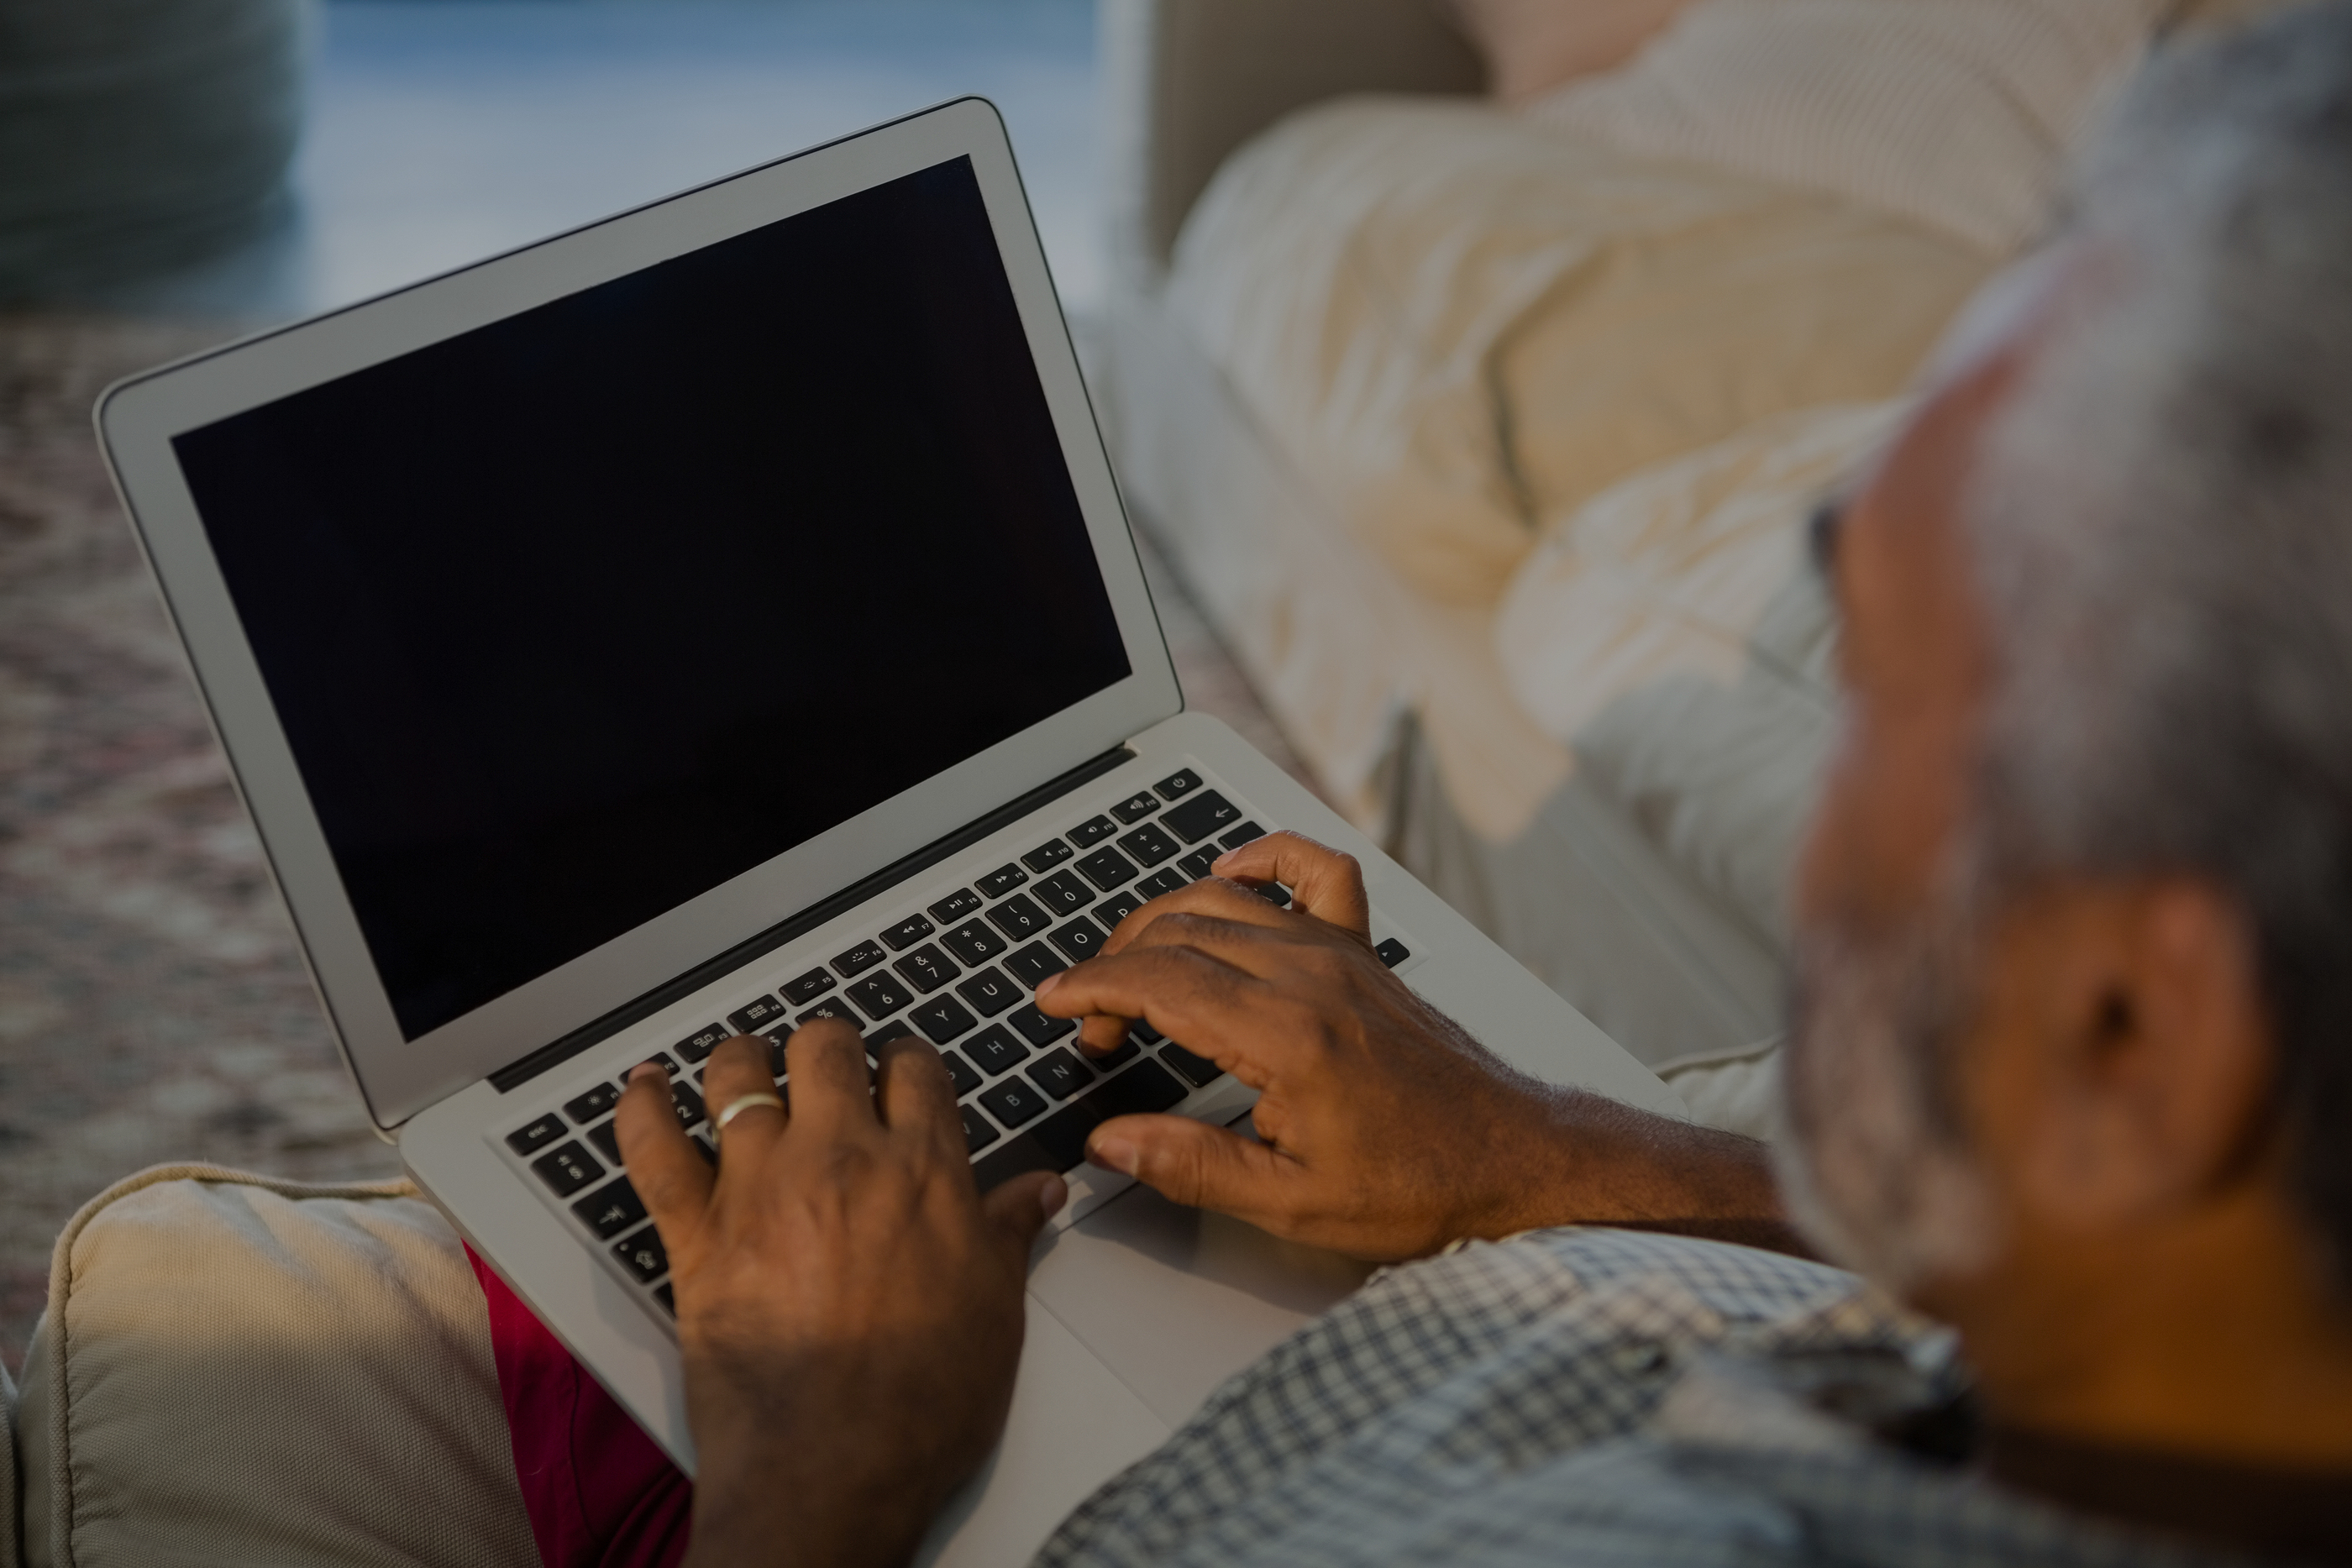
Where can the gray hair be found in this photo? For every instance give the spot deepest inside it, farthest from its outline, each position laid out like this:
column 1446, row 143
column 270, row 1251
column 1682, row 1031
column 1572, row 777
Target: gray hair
column 2164, row 527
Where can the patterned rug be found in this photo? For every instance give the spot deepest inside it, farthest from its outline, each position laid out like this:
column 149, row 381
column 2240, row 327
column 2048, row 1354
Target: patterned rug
column 152, row 1006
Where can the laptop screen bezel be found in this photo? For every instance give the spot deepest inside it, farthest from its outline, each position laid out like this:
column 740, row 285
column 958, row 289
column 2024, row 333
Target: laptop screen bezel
column 138, row 419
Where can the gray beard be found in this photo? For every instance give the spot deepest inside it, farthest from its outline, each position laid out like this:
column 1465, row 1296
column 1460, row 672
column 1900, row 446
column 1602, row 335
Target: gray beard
column 1877, row 1171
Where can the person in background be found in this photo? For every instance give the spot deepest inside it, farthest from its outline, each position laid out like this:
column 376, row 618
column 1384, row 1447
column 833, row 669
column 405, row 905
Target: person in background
column 2070, row 1076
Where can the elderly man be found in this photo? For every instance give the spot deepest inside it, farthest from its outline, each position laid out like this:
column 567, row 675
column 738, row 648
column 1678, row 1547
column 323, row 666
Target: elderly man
column 2071, row 1067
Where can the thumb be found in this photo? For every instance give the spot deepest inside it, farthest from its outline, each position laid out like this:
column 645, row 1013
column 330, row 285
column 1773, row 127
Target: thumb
column 1193, row 1163
column 1018, row 1207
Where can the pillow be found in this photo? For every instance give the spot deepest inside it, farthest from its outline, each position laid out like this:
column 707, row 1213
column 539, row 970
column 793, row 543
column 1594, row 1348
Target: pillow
column 1453, row 323
column 1957, row 113
column 1671, row 634
column 239, row 1370
column 1531, row 47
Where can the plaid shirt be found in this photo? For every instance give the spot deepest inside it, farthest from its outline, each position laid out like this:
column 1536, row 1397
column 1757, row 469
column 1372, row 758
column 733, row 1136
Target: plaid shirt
column 1590, row 1397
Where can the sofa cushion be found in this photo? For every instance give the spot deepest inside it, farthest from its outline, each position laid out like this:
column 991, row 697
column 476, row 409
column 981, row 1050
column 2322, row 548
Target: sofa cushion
column 1673, row 634
column 238, row 1370
column 1454, row 321
column 1953, row 113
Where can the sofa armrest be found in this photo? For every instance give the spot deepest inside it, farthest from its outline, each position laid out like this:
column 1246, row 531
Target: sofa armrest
column 1190, row 80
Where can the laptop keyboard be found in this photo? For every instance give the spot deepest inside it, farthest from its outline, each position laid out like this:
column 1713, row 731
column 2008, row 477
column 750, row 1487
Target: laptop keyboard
column 960, row 972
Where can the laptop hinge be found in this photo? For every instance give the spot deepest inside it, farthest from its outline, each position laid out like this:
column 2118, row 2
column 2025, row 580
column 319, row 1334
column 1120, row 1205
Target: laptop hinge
column 519, row 1072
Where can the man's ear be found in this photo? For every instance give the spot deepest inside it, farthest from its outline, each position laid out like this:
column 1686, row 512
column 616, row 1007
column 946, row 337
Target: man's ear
column 2130, row 1056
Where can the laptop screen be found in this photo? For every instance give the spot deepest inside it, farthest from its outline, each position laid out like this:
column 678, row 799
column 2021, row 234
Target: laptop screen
column 574, row 617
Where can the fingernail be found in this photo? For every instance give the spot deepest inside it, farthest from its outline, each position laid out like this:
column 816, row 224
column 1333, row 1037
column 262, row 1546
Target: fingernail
column 1052, row 1196
column 1112, row 1153
column 646, row 1068
column 1045, row 986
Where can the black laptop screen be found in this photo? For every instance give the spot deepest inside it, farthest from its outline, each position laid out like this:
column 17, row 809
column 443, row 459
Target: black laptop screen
column 574, row 617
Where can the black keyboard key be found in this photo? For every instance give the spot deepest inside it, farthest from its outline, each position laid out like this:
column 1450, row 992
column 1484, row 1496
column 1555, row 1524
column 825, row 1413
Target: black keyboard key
column 955, row 906
column 1160, row 881
column 1019, row 917
column 907, row 932
column 610, row 1209
column 1118, row 1056
column 926, row 968
column 990, row 991
column 995, row 1048
column 776, row 1066
column 538, row 1136
column 667, row 1298
column 961, row 1076
column 1063, row 893
column 1037, row 1028
column 1241, row 835
column 567, row 1168
column 1176, row 786
column 1200, row 815
column 942, row 1019
column 1135, row 808
column 974, row 943
column 686, row 1105
column 1198, row 1071
column 977, row 1133
column 597, row 1102
column 1013, row 1101
column 1392, row 952
column 1196, row 865
column 1092, row 831
column 1141, row 1029
column 879, row 996
column 643, row 1255
column 663, row 1060
column 701, row 1042
column 808, row 988
column 1107, row 870
column 832, row 1008
column 1273, row 893
column 1060, row 1074
column 757, row 1016
column 1116, row 907
column 1052, row 852
column 860, row 958
column 897, row 1029
column 1032, row 964
column 1002, row 881
column 1079, row 939
column 1149, row 844
column 606, row 1136
column 1059, row 1142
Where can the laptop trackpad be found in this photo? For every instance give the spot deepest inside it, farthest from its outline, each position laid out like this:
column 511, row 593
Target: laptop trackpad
column 1174, row 1301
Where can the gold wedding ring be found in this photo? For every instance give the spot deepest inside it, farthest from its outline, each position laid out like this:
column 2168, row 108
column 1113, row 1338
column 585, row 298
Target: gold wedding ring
column 743, row 1102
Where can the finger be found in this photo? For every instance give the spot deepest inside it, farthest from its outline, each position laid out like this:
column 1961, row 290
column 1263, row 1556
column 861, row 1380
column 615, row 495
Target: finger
column 912, row 1092
column 1323, row 881
column 1016, row 1209
column 1180, row 990
column 671, row 1177
column 830, row 1089
column 738, row 1068
column 1194, row 1164
column 1210, row 897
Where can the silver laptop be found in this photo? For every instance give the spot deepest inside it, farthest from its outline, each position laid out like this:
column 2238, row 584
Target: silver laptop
column 715, row 618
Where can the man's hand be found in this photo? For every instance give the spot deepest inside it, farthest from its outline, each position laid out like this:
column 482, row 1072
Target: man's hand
column 1387, row 1131
column 849, row 1308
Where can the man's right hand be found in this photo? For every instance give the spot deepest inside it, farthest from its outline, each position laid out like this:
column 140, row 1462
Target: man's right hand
column 1386, row 1131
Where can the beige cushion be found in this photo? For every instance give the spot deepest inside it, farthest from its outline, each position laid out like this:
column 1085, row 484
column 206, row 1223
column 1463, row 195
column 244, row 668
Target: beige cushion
column 233, row 1370
column 1453, row 322
column 1953, row 113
